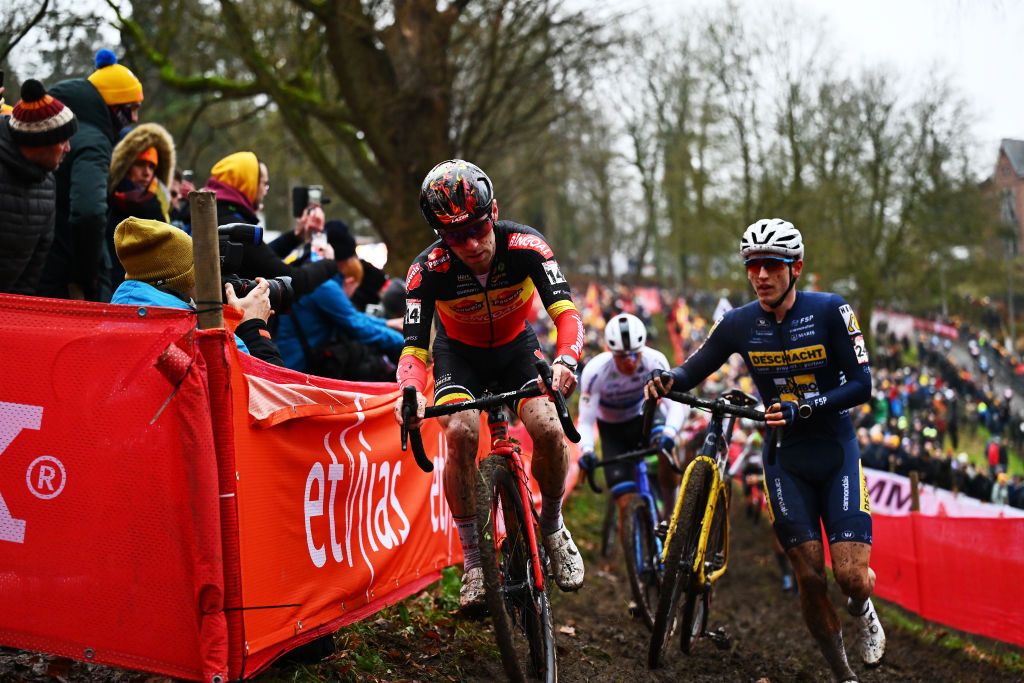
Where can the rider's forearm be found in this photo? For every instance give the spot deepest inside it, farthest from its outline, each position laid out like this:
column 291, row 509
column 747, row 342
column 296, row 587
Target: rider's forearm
column 855, row 391
column 570, row 332
column 412, row 368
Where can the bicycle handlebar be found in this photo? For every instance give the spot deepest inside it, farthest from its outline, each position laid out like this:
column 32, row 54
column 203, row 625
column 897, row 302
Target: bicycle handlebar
column 622, row 457
column 718, row 405
column 492, row 401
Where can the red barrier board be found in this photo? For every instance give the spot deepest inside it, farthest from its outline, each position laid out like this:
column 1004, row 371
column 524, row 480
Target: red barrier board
column 961, row 572
column 109, row 524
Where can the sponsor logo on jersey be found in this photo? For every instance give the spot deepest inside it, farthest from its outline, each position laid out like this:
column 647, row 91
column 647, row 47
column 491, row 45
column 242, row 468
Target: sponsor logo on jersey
column 467, row 306
column 415, row 276
column 763, row 323
column 796, row 388
column 860, row 349
column 439, row 260
column 805, row 355
column 850, row 319
column 505, row 298
column 522, row 240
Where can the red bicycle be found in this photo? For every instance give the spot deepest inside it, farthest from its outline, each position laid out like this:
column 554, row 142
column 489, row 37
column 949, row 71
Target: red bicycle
column 515, row 564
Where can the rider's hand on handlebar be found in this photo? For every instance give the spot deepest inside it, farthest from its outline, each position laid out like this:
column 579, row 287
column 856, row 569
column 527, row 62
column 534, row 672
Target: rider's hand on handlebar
column 588, row 462
column 781, row 414
column 658, row 385
column 421, row 406
column 562, row 379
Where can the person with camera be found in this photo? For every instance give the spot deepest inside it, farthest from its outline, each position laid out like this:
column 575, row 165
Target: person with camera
column 325, row 335
column 240, row 182
column 159, row 271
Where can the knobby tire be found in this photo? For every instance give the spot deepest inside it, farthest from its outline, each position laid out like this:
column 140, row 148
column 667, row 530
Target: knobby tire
column 641, row 552
column 523, row 625
column 679, row 559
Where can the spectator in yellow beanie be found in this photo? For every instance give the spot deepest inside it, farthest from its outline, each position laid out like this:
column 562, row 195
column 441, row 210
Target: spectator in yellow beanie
column 159, row 271
column 79, row 264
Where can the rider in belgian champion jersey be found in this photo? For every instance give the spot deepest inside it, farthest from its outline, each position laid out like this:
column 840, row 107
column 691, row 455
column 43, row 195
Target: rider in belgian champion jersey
column 480, row 278
column 806, row 354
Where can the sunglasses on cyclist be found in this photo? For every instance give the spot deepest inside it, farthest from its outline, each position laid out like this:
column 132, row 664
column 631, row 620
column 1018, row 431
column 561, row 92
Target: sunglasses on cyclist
column 772, row 264
column 626, row 355
column 477, row 230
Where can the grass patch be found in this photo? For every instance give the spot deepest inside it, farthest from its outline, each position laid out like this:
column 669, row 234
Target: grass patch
column 1003, row 656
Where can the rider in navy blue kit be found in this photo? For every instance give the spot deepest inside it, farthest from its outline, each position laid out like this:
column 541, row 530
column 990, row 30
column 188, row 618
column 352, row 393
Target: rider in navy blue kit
column 806, row 354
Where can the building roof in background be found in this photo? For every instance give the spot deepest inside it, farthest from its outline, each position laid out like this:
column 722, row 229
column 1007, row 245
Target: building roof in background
column 1015, row 152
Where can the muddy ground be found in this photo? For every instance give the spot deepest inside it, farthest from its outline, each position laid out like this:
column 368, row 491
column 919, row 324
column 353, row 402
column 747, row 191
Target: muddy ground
column 598, row 641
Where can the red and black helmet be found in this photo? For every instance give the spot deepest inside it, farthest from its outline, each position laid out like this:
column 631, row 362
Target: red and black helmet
column 454, row 193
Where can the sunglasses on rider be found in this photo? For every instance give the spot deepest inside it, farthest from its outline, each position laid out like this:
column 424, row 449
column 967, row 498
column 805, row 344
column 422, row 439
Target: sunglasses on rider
column 626, row 355
column 477, row 230
column 772, row 264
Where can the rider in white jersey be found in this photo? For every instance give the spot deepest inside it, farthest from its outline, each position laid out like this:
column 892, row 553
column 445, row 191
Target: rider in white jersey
column 612, row 396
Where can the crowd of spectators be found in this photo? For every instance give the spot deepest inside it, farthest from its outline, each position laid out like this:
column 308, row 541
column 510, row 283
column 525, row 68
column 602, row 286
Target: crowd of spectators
column 93, row 207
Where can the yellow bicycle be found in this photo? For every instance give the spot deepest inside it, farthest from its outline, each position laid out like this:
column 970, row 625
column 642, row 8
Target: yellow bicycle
column 696, row 551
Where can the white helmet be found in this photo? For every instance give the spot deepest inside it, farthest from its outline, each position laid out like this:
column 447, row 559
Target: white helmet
column 772, row 236
column 625, row 332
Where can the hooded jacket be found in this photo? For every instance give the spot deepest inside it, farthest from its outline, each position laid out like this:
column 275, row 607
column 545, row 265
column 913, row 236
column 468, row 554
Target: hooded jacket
column 79, row 255
column 125, row 198
column 27, row 211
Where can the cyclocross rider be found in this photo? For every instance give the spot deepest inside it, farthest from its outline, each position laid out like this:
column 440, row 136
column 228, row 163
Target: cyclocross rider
column 612, row 395
column 480, row 277
column 806, row 354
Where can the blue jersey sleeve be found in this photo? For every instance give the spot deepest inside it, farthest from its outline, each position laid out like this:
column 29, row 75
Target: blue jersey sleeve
column 846, row 341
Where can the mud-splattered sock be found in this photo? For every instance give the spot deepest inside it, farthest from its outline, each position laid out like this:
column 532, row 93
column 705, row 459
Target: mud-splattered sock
column 469, row 538
column 856, row 608
column 550, row 514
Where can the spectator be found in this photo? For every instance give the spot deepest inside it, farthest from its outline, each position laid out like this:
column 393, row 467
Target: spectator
column 1001, row 490
column 33, row 141
column 79, row 263
column 240, row 182
column 140, row 171
column 159, row 271
column 180, row 213
column 326, row 319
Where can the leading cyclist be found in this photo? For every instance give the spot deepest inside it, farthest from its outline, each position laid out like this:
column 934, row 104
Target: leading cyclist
column 612, row 395
column 480, row 277
column 806, row 353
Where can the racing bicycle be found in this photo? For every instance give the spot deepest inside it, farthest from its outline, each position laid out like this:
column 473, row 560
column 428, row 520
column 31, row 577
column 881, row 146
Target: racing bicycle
column 641, row 545
column 697, row 544
column 515, row 564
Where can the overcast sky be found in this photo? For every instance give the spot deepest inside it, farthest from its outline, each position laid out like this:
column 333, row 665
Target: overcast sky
column 979, row 43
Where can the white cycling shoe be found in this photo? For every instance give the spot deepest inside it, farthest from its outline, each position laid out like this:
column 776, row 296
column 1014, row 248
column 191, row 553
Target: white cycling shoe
column 472, row 596
column 566, row 561
column 872, row 638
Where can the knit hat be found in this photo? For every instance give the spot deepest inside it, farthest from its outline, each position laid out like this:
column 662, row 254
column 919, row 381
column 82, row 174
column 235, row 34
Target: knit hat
column 341, row 239
column 116, row 83
column 149, row 155
column 241, row 171
column 39, row 119
column 155, row 252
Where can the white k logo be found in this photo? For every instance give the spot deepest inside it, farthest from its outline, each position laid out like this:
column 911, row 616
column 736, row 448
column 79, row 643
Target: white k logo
column 13, row 418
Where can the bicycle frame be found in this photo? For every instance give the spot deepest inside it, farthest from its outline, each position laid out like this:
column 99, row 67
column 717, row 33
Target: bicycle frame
column 497, row 423
column 711, row 453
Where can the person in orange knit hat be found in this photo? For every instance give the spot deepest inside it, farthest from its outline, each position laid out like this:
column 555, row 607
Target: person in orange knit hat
column 79, row 263
column 141, row 169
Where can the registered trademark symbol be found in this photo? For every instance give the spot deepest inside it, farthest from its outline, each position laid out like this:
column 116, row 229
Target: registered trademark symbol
column 46, row 477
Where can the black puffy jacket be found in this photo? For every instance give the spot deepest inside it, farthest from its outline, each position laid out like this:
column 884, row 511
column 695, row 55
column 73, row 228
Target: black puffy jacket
column 27, row 210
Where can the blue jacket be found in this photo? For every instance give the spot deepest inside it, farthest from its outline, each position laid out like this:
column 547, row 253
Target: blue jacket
column 138, row 293
column 328, row 307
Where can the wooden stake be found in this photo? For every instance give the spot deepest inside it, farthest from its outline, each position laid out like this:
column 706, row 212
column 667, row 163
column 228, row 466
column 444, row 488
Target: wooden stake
column 206, row 255
column 915, row 493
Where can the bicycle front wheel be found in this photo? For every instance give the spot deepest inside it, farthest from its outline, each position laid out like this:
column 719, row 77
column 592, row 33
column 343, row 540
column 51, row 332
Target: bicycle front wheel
column 521, row 614
column 697, row 603
column 679, row 560
column 643, row 563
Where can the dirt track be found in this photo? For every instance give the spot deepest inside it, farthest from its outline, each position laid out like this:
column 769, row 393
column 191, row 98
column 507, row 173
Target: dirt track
column 598, row 641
